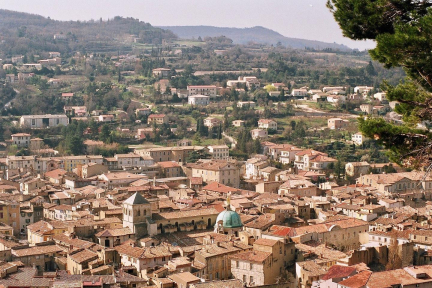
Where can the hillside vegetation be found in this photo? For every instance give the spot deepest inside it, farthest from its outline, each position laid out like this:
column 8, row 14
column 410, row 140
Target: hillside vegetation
column 22, row 33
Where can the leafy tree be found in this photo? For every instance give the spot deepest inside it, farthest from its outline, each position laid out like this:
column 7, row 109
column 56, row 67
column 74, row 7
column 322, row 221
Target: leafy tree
column 257, row 146
column 394, row 257
column 202, row 130
column 370, row 70
column 226, row 121
column 194, row 156
column 402, row 31
column 338, row 169
column 269, row 88
column 76, row 145
column 105, row 134
column 93, row 125
column 282, row 95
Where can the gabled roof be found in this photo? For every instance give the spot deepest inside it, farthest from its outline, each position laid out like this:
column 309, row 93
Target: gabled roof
column 252, row 256
column 266, row 121
column 114, row 232
column 156, row 116
column 338, row 271
column 359, row 280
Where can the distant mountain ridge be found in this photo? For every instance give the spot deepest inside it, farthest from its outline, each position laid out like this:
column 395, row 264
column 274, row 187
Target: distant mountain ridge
column 256, row 34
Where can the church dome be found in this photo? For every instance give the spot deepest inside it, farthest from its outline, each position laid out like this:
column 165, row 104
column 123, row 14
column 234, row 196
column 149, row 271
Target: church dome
column 230, row 219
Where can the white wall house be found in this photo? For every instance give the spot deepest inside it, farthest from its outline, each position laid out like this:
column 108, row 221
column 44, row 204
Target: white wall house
column 43, row 121
column 201, row 100
column 207, row 90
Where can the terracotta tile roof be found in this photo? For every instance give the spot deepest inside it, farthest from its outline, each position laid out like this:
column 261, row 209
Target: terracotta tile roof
column 114, row 232
column 9, row 243
column 321, row 251
column 313, row 268
column 122, row 175
column 66, row 241
column 196, row 180
column 214, row 165
column 265, row 121
column 252, row 256
column 360, row 280
column 36, row 250
column 156, row 116
column 83, row 256
column 184, row 277
column 185, row 213
column 405, row 234
column 266, row 242
column 168, row 164
column 322, row 158
column 40, row 227
column 325, row 227
column 346, row 222
column 310, row 152
column 21, row 135
column 278, row 230
column 296, row 184
column 55, row 174
column 262, row 222
column 141, row 253
column 338, row 271
column 218, row 249
column 234, row 283
column 219, row 188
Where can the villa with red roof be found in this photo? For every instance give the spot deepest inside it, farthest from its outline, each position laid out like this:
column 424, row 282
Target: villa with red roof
column 158, row 119
column 267, row 124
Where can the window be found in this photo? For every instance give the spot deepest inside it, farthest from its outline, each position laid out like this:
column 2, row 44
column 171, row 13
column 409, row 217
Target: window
column 244, row 278
column 251, row 279
column 237, row 262
column 250, row 266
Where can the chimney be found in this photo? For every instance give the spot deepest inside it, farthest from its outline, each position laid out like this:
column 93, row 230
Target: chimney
column 154, row 181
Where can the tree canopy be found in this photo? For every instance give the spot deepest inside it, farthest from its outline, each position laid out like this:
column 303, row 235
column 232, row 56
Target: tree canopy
column 402, row 31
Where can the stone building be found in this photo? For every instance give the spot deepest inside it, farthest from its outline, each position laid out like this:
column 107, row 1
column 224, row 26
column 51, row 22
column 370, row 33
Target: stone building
column 136, row 211
column 21, row 139
column 221, row 171
column 265, row 264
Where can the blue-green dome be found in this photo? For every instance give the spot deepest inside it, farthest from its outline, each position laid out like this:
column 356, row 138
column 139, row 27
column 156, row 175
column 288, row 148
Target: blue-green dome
column 230, row 219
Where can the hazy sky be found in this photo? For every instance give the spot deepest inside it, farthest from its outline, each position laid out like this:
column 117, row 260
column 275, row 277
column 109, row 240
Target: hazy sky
column 307, row 19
